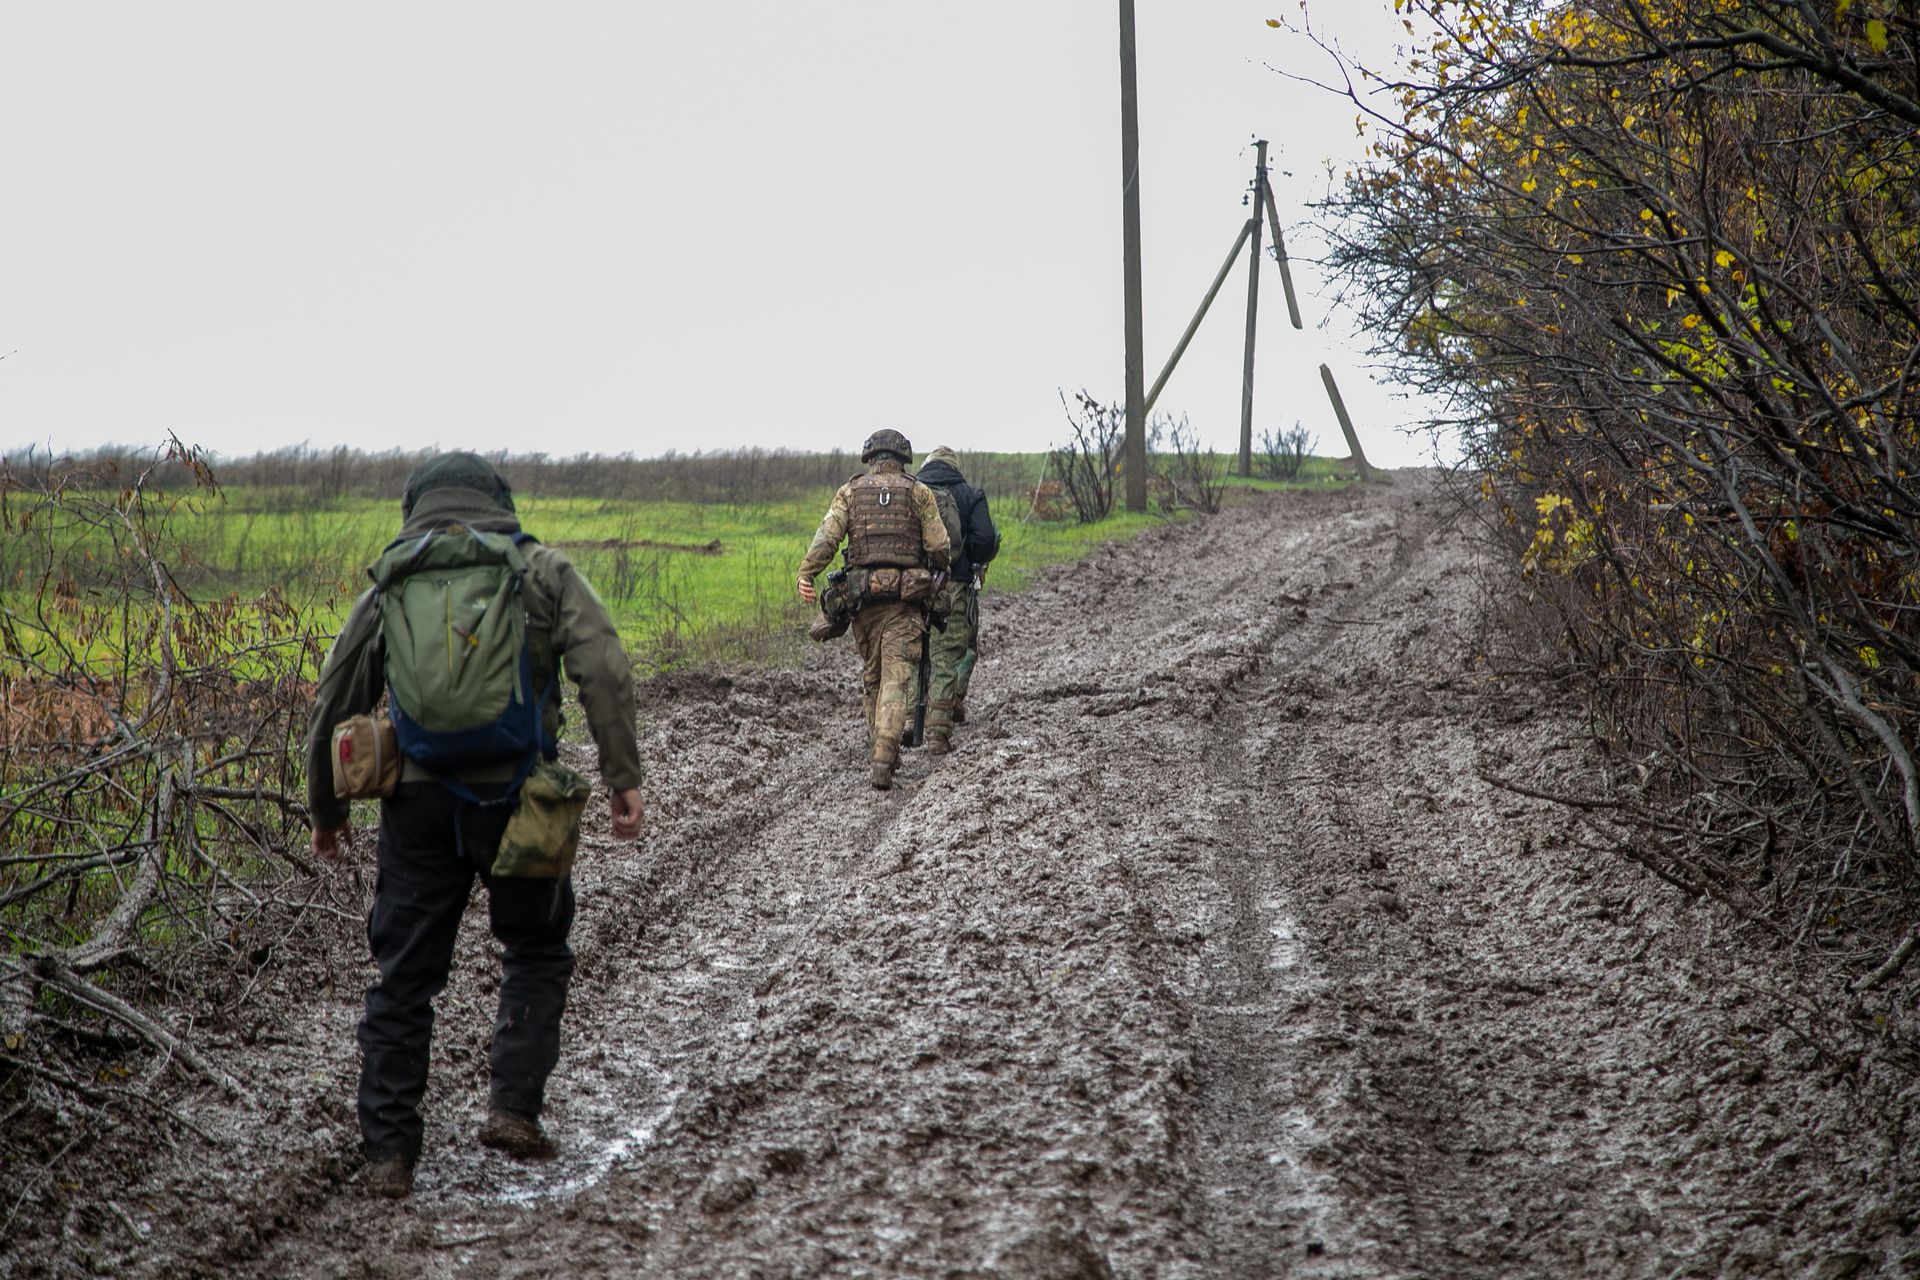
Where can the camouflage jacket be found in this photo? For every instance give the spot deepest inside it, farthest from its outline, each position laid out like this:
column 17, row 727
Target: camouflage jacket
column 567, row 624
column 833, row 531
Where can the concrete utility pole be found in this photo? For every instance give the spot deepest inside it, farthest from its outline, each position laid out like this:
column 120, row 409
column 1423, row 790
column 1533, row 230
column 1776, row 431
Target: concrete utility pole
column 1135, row 452
column 1253, row 314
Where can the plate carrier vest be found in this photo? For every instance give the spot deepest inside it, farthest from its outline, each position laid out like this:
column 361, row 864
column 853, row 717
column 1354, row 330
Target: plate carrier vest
column 883, row 529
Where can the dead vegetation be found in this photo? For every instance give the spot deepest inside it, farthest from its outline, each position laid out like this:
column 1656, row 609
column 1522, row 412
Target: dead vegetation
column 304, row 477
column 150, row 815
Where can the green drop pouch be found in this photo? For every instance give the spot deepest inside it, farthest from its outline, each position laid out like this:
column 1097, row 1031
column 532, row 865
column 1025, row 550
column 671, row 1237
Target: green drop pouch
column 544, row 831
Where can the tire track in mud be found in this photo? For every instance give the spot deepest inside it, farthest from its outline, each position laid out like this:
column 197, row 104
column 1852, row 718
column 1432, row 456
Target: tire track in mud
column 1270, row 1212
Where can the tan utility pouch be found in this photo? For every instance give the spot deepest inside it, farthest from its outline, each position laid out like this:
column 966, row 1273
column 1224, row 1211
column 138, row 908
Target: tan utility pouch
column 544, row 831
column 366, row 758
column 883, row 584
column 917, row 584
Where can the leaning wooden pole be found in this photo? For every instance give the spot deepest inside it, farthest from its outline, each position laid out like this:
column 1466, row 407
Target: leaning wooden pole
column 1135, row 450
column 1346, row 424
column 1193, row 326
column 1280, row 254
column 1253, row 318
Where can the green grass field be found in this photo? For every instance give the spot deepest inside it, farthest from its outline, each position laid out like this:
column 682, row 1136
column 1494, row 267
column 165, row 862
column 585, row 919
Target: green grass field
column 685, row 581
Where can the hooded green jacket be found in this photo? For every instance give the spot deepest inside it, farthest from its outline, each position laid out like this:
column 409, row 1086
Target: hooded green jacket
column 567, row 625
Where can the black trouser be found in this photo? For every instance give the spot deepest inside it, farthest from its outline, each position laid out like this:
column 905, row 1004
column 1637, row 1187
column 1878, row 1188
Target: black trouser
column 431, row 846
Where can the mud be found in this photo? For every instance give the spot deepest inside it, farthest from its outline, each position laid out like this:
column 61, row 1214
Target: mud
column 1211, row 951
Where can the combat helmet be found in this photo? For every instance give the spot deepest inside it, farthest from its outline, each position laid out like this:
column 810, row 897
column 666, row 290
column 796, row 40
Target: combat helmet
column 887, row 440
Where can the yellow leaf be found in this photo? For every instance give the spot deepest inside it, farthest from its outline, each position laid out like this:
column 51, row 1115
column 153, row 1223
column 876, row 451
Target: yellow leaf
column 1723, row 259
column 1275, row 22
column 1877, row 35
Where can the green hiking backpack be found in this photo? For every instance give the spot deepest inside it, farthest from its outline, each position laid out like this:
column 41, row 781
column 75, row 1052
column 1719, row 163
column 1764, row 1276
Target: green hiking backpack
column 947, row 599
column 950, row 516
column 458, row 664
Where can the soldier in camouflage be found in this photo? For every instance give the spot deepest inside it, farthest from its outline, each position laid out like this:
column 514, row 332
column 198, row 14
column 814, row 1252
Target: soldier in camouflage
column 894, row 535
column 976, row 540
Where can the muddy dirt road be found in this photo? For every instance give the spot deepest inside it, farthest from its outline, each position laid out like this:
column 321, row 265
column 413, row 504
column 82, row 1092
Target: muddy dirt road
column 1210, row 952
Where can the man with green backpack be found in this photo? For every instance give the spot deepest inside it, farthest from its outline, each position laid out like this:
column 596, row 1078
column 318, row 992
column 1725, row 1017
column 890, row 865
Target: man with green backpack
column 465, row 634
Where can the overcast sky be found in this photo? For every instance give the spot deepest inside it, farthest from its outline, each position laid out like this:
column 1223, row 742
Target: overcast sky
column 638, row 227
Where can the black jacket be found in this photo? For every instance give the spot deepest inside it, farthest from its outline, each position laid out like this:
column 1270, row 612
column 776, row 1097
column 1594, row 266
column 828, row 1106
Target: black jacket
column 983, row 539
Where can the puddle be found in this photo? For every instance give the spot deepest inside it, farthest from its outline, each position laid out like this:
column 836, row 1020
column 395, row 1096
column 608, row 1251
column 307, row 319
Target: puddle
column 603, row 1119
column 1285, row 953
column 576, row 1171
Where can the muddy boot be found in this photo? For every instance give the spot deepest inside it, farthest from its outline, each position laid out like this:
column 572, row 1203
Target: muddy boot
column 389, row 1177
column 519, row 1136
column 883, row 775
column 906, row 739
column 938, row 744
column 960, row 713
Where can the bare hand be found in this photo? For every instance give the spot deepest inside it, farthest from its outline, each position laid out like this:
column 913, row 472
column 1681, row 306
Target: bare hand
column 807, row 591
column 330, row 845
column 627, row 811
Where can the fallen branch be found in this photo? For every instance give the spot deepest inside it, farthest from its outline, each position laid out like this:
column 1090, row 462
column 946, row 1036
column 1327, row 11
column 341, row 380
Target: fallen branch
column 111, row 938
column 55, row 972
column 1572, row 802
column 1894, row 964
column 105, row 1095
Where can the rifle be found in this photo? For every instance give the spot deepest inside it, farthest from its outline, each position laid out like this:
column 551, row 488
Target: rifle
column 973, row 609
column 926, row 684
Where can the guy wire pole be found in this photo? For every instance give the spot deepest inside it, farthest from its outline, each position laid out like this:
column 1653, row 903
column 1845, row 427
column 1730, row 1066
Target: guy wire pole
column 1135, row 452
column 1193, row 327
column 1253, row 315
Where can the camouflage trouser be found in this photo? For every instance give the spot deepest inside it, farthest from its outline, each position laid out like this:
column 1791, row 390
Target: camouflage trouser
column 889, row 638
column 951, row 658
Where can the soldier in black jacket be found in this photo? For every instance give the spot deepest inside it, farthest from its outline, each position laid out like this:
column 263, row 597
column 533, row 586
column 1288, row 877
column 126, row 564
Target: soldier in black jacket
column 953, row 650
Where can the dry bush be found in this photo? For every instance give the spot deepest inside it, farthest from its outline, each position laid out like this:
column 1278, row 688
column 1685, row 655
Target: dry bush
column 1188, row 475
column 1084, row 466
column 1283, row 453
